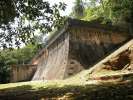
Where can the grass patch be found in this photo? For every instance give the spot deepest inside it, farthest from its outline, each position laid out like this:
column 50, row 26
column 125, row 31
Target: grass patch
column 77, row 87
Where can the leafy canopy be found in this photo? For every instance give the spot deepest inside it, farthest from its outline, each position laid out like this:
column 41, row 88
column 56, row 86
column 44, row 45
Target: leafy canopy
column 118, row 12
column 78, row 9
column 21, row 19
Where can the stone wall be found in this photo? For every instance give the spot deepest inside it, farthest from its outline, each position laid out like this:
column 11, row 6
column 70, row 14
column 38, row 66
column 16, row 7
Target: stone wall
column 22, row 72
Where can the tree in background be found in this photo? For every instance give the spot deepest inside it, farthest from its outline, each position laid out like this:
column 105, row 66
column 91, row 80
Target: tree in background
column 78, row 9
column 16, row 56
column 20, row 19
column 121, row 13
column 21, row 22
column 117, row 12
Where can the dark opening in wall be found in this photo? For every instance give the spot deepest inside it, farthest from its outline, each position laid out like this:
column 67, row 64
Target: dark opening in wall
column 72, row 62
column 69, row 74
column 71, row 68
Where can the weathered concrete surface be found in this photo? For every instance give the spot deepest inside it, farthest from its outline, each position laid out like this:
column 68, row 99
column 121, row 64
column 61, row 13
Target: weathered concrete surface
column 85, row 45
column 52, row 66
column 22, row 72
column 89, row 46
column 89, row 43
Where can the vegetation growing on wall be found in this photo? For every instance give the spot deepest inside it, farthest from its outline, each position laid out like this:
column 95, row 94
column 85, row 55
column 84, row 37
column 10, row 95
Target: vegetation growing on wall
column 118, row 12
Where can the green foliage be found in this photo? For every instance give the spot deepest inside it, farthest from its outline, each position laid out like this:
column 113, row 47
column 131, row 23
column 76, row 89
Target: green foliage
column 24, row 17
column 121, row 10
column 18, row 56
column 112, row 11
column 92, row 13
column 6, row 15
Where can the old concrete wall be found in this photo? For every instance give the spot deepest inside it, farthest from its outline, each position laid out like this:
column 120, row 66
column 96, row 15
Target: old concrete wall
column 53, row 62
column 75, row 48
column 70, row 54
column 89, row 45
column 22, row 72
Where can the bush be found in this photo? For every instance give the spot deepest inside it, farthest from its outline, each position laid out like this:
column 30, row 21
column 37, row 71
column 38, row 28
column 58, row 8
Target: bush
column 16, row 56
